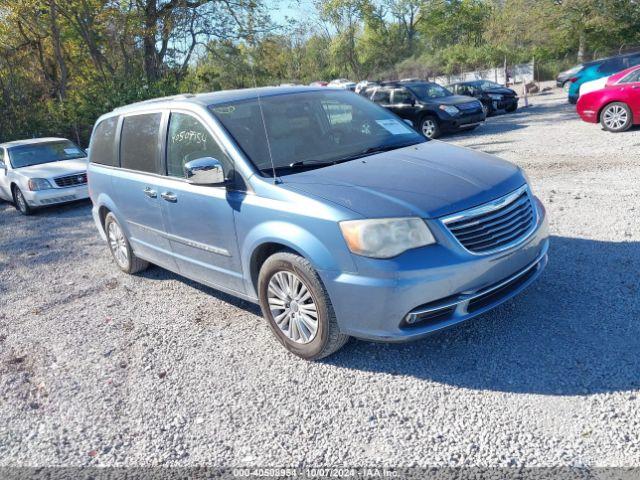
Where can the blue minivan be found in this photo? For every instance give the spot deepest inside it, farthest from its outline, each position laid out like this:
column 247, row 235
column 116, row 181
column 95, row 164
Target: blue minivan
column 329, row 211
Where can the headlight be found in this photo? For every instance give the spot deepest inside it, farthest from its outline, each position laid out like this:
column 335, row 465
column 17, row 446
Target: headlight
column 495, row 96
column 450, row 109
column 385, row 237
column 39, row 184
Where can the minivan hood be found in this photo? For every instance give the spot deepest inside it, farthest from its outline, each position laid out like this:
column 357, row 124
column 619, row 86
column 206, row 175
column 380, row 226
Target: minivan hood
column 54, row 169
column 428, row 180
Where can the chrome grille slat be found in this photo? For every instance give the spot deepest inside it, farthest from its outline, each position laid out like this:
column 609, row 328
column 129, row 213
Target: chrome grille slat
column 79, row 178
column 496, row 237
column 495, row 226
column 500, row 238
column 521, row 216
column 489, row 216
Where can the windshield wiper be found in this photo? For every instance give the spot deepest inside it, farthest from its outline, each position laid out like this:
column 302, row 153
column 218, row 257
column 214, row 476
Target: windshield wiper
column 355, row 156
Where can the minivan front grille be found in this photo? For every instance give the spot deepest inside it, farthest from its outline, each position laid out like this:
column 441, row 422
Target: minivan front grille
column 71, row 180
column 495, row 226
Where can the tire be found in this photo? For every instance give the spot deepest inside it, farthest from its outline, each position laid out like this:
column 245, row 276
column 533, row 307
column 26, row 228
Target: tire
column 429, row 127
column 511, row 108
column 616, row 117
column 20, row 202
column 120, row 247
column 486, row 110
column 295, row 311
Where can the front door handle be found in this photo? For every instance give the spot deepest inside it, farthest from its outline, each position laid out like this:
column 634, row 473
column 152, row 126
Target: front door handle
column 169, row 197
column 150, row 193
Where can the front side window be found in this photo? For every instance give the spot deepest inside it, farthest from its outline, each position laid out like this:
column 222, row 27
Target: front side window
column 487, row 85
column 311, row 129
column 426, row 91
column 139, row 142
column 39, row 153
column 187, row 140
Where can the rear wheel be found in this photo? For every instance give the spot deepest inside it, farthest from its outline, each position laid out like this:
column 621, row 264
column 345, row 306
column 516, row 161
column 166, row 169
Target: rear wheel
column 297, row 307
column 616, row 117
column 120, row 247
column 430, row 127
column 20, row 202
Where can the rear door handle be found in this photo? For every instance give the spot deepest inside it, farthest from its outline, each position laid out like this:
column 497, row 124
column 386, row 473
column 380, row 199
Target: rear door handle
column 169, row 197
column 150, row 193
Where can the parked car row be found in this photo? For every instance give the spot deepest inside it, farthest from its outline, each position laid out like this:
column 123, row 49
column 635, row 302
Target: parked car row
column 606, row 91
column 310, row 202
column 431, row 108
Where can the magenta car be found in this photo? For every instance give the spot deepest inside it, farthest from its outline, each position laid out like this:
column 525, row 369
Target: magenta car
column 613, row 101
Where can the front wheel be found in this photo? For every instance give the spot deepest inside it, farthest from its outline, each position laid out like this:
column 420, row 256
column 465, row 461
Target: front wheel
column 20, row 202
column 120, row 247
column 616, row 117
column 430, row 127
column 297, row 307
column 512, row 108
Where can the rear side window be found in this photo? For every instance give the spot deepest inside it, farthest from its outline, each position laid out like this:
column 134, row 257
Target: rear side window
column 382, row 96
column 139, row 142
column 102, row 148
column 612, row 66
column 402, row 96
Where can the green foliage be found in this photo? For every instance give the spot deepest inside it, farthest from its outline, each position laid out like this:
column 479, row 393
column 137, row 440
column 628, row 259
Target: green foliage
column 63, row 63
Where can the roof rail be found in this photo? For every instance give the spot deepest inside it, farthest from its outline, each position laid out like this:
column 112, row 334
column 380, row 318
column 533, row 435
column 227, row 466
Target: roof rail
column 181, row 96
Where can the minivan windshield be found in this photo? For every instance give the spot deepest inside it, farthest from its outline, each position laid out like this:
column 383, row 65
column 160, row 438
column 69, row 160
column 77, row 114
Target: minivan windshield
column 427, row 91
column 311, row 129
column 39, row 153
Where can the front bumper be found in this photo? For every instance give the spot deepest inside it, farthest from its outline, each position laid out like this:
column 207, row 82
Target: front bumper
column 442, row 284
column 53, row 196
column 461, row 122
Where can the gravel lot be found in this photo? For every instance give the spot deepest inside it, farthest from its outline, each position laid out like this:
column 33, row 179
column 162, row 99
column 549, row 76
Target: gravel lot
column 101, row 368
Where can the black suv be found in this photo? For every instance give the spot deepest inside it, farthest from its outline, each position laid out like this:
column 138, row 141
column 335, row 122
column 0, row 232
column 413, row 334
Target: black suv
column 493, row 96
column 431, row 108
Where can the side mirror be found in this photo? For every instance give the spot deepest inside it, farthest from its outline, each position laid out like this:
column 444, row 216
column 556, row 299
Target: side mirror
column 204, row 171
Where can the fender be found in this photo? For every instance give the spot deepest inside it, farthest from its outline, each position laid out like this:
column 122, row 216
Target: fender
column 293, row 237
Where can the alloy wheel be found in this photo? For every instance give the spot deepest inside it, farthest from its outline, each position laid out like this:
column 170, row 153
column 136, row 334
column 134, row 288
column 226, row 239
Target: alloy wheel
column 292, row 307
column 118, row 244
column 615, row 117
column 428, row 127
column 22, row 203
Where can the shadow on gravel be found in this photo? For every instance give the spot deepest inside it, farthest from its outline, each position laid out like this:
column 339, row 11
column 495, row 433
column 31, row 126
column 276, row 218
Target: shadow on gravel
column 158, row 273
column 576, row 331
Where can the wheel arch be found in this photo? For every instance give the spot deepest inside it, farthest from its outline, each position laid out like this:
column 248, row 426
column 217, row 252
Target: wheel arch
column 271, row 237
column 609, row 102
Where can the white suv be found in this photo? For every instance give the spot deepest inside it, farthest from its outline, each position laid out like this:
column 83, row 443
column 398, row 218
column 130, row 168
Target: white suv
column 42, row 171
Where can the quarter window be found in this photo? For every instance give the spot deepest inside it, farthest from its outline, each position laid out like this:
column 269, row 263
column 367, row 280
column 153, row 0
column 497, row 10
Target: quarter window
column 103, row 142
column 139, row 142
column 632, row 77
column 188, row 139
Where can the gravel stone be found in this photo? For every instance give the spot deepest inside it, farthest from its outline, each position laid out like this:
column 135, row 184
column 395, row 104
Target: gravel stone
column 104, row 369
